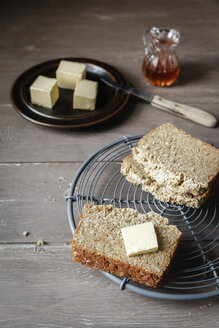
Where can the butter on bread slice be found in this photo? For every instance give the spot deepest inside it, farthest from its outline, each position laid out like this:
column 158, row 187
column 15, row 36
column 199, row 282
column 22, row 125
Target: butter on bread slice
column 98, row 243
column 140, row 239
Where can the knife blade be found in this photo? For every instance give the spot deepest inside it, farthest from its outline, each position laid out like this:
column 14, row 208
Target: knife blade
column 142, row 95
column 185, row 111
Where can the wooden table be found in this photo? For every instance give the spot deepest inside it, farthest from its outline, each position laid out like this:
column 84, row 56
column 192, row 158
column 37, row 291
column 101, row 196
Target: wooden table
column 46, row 289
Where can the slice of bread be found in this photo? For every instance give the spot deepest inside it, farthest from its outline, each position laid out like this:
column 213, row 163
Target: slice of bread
column 174, row 157
column 180, row 168
column 135, row 173
column 98, row 243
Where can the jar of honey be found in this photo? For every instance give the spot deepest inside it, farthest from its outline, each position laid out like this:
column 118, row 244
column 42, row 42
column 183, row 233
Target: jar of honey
column 161, row 65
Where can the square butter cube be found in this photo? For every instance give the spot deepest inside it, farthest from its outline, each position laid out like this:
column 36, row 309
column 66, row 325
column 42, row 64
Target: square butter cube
column 85, row 95
column 44, row 91
column 140, row 239
column 68, row 74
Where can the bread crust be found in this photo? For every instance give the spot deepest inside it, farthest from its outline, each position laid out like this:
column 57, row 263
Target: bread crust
column 119, row 268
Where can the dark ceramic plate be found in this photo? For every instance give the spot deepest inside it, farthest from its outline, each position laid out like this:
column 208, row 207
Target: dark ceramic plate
column 109, row 101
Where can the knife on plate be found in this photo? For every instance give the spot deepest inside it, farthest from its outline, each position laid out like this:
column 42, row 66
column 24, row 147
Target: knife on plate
column 188, row 112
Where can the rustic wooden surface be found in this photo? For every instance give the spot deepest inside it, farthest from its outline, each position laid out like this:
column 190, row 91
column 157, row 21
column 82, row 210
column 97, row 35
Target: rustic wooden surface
column 44, row 288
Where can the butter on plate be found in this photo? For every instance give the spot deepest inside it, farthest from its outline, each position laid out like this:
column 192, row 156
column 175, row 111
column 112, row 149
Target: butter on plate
column 68, row 74
column 140, row 239
column 85, row 95
column 44, row 91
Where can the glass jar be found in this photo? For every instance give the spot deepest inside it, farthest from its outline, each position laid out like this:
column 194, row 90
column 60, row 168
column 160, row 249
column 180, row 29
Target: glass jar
column 161, row 65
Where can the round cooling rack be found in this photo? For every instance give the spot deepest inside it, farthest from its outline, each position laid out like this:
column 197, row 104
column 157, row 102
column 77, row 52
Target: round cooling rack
column 194, row 273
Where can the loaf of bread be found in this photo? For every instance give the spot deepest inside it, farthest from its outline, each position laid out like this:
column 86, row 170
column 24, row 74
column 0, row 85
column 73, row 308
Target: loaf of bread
column 174, row 166
column 98, row 243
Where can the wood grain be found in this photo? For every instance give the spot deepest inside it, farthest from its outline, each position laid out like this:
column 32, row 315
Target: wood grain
column 33, row 200
column 35, row 38
column 45, row 288
column 22, row 141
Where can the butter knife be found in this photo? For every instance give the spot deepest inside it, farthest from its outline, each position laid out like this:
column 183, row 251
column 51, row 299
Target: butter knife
column 188, row 112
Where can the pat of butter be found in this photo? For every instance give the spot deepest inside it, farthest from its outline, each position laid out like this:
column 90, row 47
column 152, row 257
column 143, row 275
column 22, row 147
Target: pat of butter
column 44, row 91
column 140, row 239
column 68, row 74
column 85, row 95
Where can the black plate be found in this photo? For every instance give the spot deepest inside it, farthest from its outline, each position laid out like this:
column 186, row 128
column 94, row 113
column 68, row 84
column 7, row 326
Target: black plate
column 109, row 101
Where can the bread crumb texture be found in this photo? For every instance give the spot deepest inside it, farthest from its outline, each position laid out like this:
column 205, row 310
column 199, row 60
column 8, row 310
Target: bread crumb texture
column 181, row 155
column 98, row 243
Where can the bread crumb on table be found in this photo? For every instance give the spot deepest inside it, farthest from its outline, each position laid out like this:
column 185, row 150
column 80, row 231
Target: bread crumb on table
column 40, row 243
column 25, row 233
column 39, row 246
column 62, row 179
column 205, row 306
column 51, row 198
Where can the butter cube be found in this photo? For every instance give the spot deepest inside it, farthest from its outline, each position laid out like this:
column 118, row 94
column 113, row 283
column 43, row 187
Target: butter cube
column 85, row 95
column 44, row 91
column 69, row 73
column 140, row 239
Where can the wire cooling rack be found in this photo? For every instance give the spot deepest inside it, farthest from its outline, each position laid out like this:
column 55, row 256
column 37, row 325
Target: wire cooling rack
column 194, row 274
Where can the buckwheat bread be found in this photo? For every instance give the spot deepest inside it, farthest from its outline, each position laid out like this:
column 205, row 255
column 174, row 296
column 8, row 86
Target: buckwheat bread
column 174, row 166
column 98, row 243
column 135, row 173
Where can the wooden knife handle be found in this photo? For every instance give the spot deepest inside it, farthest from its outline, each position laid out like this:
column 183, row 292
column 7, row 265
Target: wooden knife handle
column 185, row 111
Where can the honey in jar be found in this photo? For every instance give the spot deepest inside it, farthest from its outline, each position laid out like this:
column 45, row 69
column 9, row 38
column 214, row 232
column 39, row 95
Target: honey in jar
column 161, row 65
